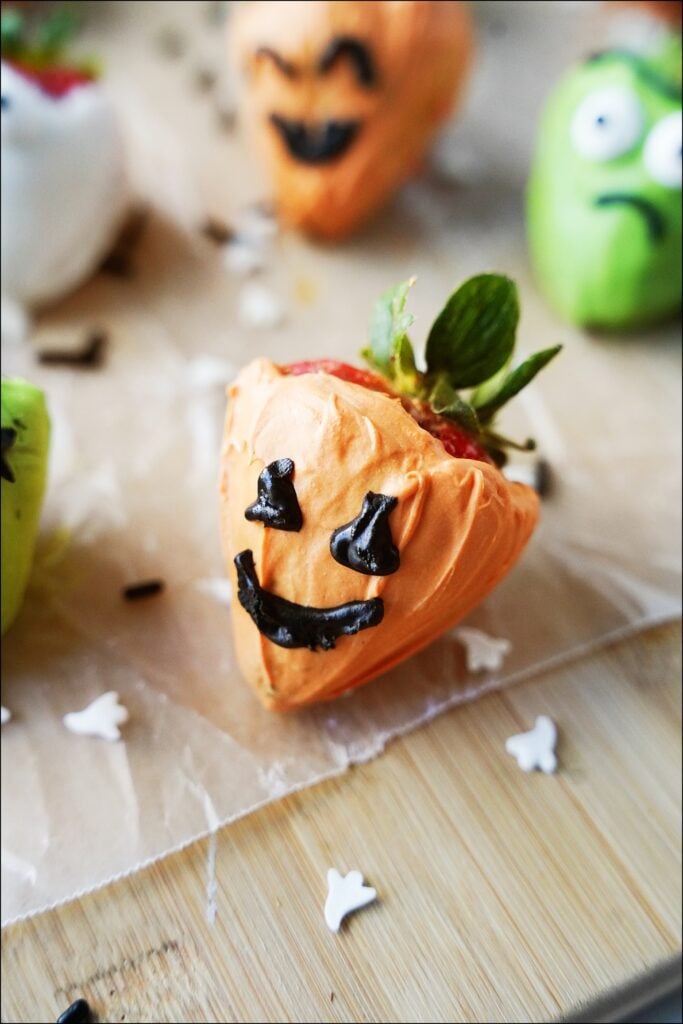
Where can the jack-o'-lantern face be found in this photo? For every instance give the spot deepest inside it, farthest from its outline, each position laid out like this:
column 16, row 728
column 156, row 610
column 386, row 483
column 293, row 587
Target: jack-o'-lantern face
column 353, row 537
column 363, row 545
column 343, row 98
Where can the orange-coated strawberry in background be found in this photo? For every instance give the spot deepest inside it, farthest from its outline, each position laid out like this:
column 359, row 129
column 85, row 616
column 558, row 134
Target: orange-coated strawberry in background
column 363, row 515
column 343, row 98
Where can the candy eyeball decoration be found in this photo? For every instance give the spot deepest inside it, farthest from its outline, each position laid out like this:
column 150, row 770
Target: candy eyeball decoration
column 608, row 123
column 664, row 151
column 604, row 200
column 64, row 191
column 25, row 443
column 363, row 512
column 343, row 98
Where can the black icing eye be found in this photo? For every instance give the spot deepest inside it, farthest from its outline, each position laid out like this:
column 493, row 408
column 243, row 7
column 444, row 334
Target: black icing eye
column 277, row 60
column 277, row 505
column 9, row 436
column 353, row 50
column 4, row 102
column 365, row 544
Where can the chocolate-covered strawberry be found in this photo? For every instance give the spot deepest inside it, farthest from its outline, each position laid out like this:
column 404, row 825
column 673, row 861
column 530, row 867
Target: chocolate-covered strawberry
column 25, row 443
column 64, row 190
column 363, row 511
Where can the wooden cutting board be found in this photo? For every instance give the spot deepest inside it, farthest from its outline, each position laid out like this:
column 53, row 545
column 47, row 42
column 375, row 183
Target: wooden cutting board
column 502, row 896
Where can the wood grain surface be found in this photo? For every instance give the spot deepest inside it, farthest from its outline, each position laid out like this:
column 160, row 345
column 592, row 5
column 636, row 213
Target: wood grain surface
column 503, row 896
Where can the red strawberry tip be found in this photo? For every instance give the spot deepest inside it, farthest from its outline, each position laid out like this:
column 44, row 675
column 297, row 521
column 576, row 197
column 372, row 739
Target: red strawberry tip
column 57, row 80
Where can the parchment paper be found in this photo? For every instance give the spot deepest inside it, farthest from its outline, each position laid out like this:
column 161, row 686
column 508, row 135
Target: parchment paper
column 133, row 485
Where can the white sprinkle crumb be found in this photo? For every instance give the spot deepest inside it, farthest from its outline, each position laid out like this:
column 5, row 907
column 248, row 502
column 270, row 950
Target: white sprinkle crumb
column 259, row 306
column 346, row 893
column 18, row 866
column 5, row 715
column 100, row 718
column 483, row 652
column 217, row 587
column 273, row 779
column 255, row 225
column 536, row 748
column 15, row 321
column 243, row 257
column 208, row 372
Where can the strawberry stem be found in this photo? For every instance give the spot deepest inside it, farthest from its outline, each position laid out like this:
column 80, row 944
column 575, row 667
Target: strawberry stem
column 470, row 345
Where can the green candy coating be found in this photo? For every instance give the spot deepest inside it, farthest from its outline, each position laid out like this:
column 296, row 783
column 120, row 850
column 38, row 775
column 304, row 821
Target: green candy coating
column 26, row 440
column 604, row 197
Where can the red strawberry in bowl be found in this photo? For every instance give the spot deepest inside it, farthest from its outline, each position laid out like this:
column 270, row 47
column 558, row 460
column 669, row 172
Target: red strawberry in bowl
column 363, row 512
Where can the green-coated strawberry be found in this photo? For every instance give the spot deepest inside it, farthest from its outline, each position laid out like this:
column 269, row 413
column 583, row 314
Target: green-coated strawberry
column 25, row 443
column 604, row 202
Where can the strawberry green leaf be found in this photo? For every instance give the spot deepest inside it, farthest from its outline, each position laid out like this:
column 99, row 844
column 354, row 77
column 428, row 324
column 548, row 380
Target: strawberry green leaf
column 54, row 33
column 474, row 335
column 514, row 382
column 405, row 376
column 445, row 401
column 388, row 325
column 11, row 32
column 490, row 387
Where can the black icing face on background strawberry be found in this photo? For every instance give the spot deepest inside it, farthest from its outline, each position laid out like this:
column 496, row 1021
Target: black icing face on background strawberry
column 342, row 98
column 355, row 534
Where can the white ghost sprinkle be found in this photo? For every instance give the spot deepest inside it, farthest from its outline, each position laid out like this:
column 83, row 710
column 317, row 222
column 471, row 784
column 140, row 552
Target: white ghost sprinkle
column 242, row 257
column 259, row 306
column 255, row 225
column 536, row 748
column 346, row 894
column 482, row 652
column 100, row 718
column 5, row 715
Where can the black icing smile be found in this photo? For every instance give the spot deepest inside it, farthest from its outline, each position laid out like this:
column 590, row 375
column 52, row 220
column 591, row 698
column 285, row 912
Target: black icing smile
column 288, row 624
column 315, row 142
column 653, row 219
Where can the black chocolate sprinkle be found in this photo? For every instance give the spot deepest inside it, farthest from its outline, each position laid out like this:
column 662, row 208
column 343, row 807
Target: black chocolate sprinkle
column 78, row 1013
column 543, row 483
column 205, row 79
column 146, row 588
column 217, row 231
column 89, row 356
column 119, row 261
column 227, row 120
